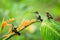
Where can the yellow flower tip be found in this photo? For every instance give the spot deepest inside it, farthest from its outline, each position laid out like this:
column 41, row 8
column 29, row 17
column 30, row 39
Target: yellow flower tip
column 11, row 20
column 9, row 25
column 33, row 20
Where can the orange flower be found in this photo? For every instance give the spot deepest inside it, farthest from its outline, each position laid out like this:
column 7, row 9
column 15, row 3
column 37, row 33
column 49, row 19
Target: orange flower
column 6, row 23
column 22, row 26
column 26, row 23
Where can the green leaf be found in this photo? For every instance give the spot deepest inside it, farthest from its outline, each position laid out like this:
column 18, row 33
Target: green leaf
column 50, row 30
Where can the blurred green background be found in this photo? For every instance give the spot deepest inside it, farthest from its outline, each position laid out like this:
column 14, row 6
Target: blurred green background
column 22, row 9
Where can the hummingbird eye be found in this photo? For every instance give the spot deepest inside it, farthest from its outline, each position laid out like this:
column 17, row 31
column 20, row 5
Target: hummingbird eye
column 36, row 12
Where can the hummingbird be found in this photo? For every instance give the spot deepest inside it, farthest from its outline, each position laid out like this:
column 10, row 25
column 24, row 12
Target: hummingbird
column 14, row 30
column 49, row 15
column 38, row 16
